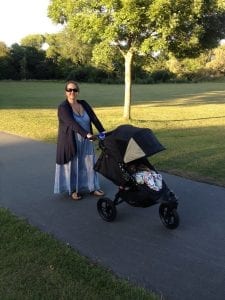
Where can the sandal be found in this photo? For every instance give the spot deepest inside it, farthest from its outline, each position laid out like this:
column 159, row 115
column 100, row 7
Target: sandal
column 97, row 193
column 75, row 196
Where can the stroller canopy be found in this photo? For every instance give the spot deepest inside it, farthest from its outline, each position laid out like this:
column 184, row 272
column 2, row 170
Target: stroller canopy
column 123, row 145
column 132, row 143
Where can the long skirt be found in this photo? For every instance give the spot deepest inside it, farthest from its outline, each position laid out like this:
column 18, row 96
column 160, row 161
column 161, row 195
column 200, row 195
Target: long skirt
column 78, row 174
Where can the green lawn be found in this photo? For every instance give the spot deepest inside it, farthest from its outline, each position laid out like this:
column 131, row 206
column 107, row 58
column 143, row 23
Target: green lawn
column 189, row 119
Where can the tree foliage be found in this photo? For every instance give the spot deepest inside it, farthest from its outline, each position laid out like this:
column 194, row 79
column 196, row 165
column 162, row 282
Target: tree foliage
column 5, row 65
column 4, row 51
column 33, row 40
column 217, row 62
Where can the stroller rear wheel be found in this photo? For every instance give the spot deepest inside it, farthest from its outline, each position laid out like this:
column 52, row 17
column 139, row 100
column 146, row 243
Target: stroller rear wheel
column 106, row 209
column 169, row 216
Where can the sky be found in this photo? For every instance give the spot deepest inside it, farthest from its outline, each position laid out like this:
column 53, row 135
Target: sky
column 19, row 18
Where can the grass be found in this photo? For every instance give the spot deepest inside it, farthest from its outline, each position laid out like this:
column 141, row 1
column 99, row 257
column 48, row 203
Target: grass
column 33, row 265
column 188, row 119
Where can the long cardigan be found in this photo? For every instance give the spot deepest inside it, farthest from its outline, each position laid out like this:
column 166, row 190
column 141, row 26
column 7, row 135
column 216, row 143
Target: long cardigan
column 66, row 143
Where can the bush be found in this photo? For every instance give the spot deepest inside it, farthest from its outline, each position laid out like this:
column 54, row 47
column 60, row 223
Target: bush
column 162, row 76
column 92, row 75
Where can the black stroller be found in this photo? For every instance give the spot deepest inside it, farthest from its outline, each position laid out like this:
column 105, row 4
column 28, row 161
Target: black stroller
column 120, row 149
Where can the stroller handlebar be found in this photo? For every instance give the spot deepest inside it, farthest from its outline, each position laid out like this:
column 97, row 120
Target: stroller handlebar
column 100, row 136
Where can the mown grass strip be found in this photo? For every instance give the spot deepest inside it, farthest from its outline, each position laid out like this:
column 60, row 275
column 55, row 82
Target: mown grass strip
column 33, row 265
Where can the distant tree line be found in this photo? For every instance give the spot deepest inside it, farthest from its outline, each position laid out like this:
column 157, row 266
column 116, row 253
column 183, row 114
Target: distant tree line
column 61, row 59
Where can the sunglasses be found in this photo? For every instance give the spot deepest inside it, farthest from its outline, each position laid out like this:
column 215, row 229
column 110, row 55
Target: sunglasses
column 72, row 90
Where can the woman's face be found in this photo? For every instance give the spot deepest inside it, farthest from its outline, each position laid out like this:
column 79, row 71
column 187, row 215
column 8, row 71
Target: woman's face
column 71, row 92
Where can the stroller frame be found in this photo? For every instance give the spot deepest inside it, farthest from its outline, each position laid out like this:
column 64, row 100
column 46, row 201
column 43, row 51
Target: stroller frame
column 120, row 148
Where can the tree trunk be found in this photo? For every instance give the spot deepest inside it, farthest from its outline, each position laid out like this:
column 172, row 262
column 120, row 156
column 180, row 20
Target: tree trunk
column 127, row 96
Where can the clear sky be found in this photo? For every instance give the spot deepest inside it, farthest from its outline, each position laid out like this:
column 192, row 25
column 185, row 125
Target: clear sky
column 19, row 18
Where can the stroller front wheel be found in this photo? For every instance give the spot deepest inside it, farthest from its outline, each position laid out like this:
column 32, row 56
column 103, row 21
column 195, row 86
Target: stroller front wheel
column 169, row 216
column 106, row 209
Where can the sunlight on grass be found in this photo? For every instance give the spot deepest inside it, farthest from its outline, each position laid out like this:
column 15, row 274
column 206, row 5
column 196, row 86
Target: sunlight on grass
column 188, row 119
column 40, row 124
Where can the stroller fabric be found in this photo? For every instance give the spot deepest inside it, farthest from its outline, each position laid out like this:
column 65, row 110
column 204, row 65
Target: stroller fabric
column 123, row 145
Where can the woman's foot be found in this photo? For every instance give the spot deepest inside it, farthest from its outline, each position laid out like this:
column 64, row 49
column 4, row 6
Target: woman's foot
column 75, row 196
column 98, row 193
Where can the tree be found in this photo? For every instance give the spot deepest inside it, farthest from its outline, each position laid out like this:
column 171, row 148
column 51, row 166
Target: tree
column 131, row 27
column 56, row 52
column 60, row 45
column 77, row 51
column 33, row 40
column 5, row 65
column 18, row 62
column 30, row 63
column 4, row 50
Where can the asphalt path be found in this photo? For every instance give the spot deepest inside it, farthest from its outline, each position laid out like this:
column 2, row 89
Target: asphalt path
column 187, row 263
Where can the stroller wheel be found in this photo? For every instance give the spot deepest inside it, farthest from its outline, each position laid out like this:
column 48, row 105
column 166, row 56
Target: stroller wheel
column 106, row 209
column 169, row 216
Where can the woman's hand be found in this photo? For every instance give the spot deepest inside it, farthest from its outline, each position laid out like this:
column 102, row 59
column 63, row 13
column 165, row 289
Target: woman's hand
column 91, row 137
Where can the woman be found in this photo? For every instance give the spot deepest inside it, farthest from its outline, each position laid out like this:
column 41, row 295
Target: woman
column 75, row 156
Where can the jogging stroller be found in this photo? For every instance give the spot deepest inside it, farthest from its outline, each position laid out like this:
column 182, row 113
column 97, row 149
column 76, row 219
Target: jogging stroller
column 121, row 149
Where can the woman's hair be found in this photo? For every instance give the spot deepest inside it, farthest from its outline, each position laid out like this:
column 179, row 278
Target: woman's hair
column 74, row 82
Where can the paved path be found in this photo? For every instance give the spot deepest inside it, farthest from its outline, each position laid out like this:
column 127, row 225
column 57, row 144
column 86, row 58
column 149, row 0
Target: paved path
column 183, row 264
